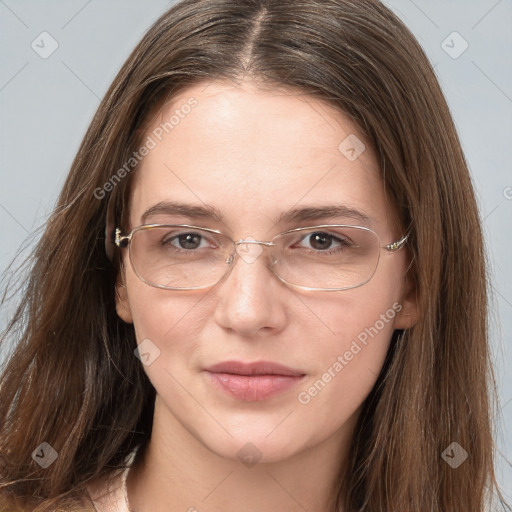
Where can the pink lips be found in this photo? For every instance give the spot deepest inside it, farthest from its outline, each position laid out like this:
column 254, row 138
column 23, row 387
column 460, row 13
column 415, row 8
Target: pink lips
column 253, row 382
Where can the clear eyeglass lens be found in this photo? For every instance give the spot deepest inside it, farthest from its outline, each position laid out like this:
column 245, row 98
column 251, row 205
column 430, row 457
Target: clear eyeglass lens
column 179, row 257
column 330, row 258
column 333, row 258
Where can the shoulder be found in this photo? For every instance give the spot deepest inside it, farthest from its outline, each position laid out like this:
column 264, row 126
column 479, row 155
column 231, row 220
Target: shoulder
column 109, row 495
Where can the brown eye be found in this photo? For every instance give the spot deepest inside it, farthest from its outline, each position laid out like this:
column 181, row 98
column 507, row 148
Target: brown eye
column 189, row 241
column 321, row 241
column 185, row 241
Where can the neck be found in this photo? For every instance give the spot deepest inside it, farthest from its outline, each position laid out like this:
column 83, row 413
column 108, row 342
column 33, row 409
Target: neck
column 178, row 472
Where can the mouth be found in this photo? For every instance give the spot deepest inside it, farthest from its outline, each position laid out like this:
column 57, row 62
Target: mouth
column 253, row 382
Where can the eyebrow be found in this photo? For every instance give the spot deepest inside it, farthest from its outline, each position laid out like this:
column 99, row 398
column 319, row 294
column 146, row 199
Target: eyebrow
column 295, row 215
column 183, row 209
column 324, row 212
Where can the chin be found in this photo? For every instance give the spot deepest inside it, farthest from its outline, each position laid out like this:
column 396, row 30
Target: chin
column 252, row 445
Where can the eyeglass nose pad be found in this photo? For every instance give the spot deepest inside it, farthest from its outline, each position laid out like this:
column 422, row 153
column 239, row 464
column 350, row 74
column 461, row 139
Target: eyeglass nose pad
column 231, row 257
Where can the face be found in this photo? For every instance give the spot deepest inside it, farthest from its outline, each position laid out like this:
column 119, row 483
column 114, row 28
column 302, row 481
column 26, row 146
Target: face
column 253, row 155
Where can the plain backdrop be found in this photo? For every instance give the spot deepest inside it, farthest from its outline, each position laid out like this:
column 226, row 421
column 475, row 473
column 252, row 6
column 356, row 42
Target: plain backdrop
column 58, row 59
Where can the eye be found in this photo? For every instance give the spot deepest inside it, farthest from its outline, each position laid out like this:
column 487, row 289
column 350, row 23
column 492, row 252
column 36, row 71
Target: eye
column 186, row 241
column 323, row 241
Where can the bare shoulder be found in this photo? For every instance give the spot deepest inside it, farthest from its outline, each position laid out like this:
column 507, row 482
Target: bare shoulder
column 108, row 495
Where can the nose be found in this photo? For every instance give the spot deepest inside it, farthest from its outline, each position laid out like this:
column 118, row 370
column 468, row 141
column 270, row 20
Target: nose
column 251, row 299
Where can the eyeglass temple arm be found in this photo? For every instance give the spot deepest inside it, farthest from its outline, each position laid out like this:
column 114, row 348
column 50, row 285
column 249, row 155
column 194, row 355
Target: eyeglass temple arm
column 396, row 246
column 121, row 240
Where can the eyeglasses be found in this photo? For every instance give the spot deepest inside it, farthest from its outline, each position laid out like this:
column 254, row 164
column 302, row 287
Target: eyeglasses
column 323, row 258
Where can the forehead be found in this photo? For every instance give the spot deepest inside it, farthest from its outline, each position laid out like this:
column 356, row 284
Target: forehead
column 255, row 153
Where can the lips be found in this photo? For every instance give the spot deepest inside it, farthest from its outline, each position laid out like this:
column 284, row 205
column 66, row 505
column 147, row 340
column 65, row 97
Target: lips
column 253, row 381
column 257, row 368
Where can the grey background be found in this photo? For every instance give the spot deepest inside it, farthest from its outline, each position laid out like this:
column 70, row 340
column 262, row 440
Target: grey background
column 46, row 105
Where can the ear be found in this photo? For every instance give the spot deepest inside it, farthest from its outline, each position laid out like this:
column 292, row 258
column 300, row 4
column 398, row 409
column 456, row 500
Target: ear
column 407, row 316
column 123, row 309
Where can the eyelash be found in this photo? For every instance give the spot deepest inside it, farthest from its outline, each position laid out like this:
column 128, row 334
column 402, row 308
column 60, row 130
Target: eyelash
column 342, row 243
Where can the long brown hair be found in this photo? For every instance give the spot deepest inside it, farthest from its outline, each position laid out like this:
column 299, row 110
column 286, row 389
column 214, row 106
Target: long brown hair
column 73, row 381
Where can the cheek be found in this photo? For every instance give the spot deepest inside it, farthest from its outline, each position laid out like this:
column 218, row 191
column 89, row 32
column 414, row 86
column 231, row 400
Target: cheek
column 171, row 320
column 349, row 360
column 364, row 313
column 361, row 328
column 347, row 365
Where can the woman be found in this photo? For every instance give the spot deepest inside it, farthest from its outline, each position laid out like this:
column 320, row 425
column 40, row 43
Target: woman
column 263, row 287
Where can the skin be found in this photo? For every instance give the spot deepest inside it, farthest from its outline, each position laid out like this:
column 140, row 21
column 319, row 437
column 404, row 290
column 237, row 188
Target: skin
column 253, row 154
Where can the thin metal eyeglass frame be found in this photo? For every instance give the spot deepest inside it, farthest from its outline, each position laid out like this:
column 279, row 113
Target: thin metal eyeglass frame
column 123, row 241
